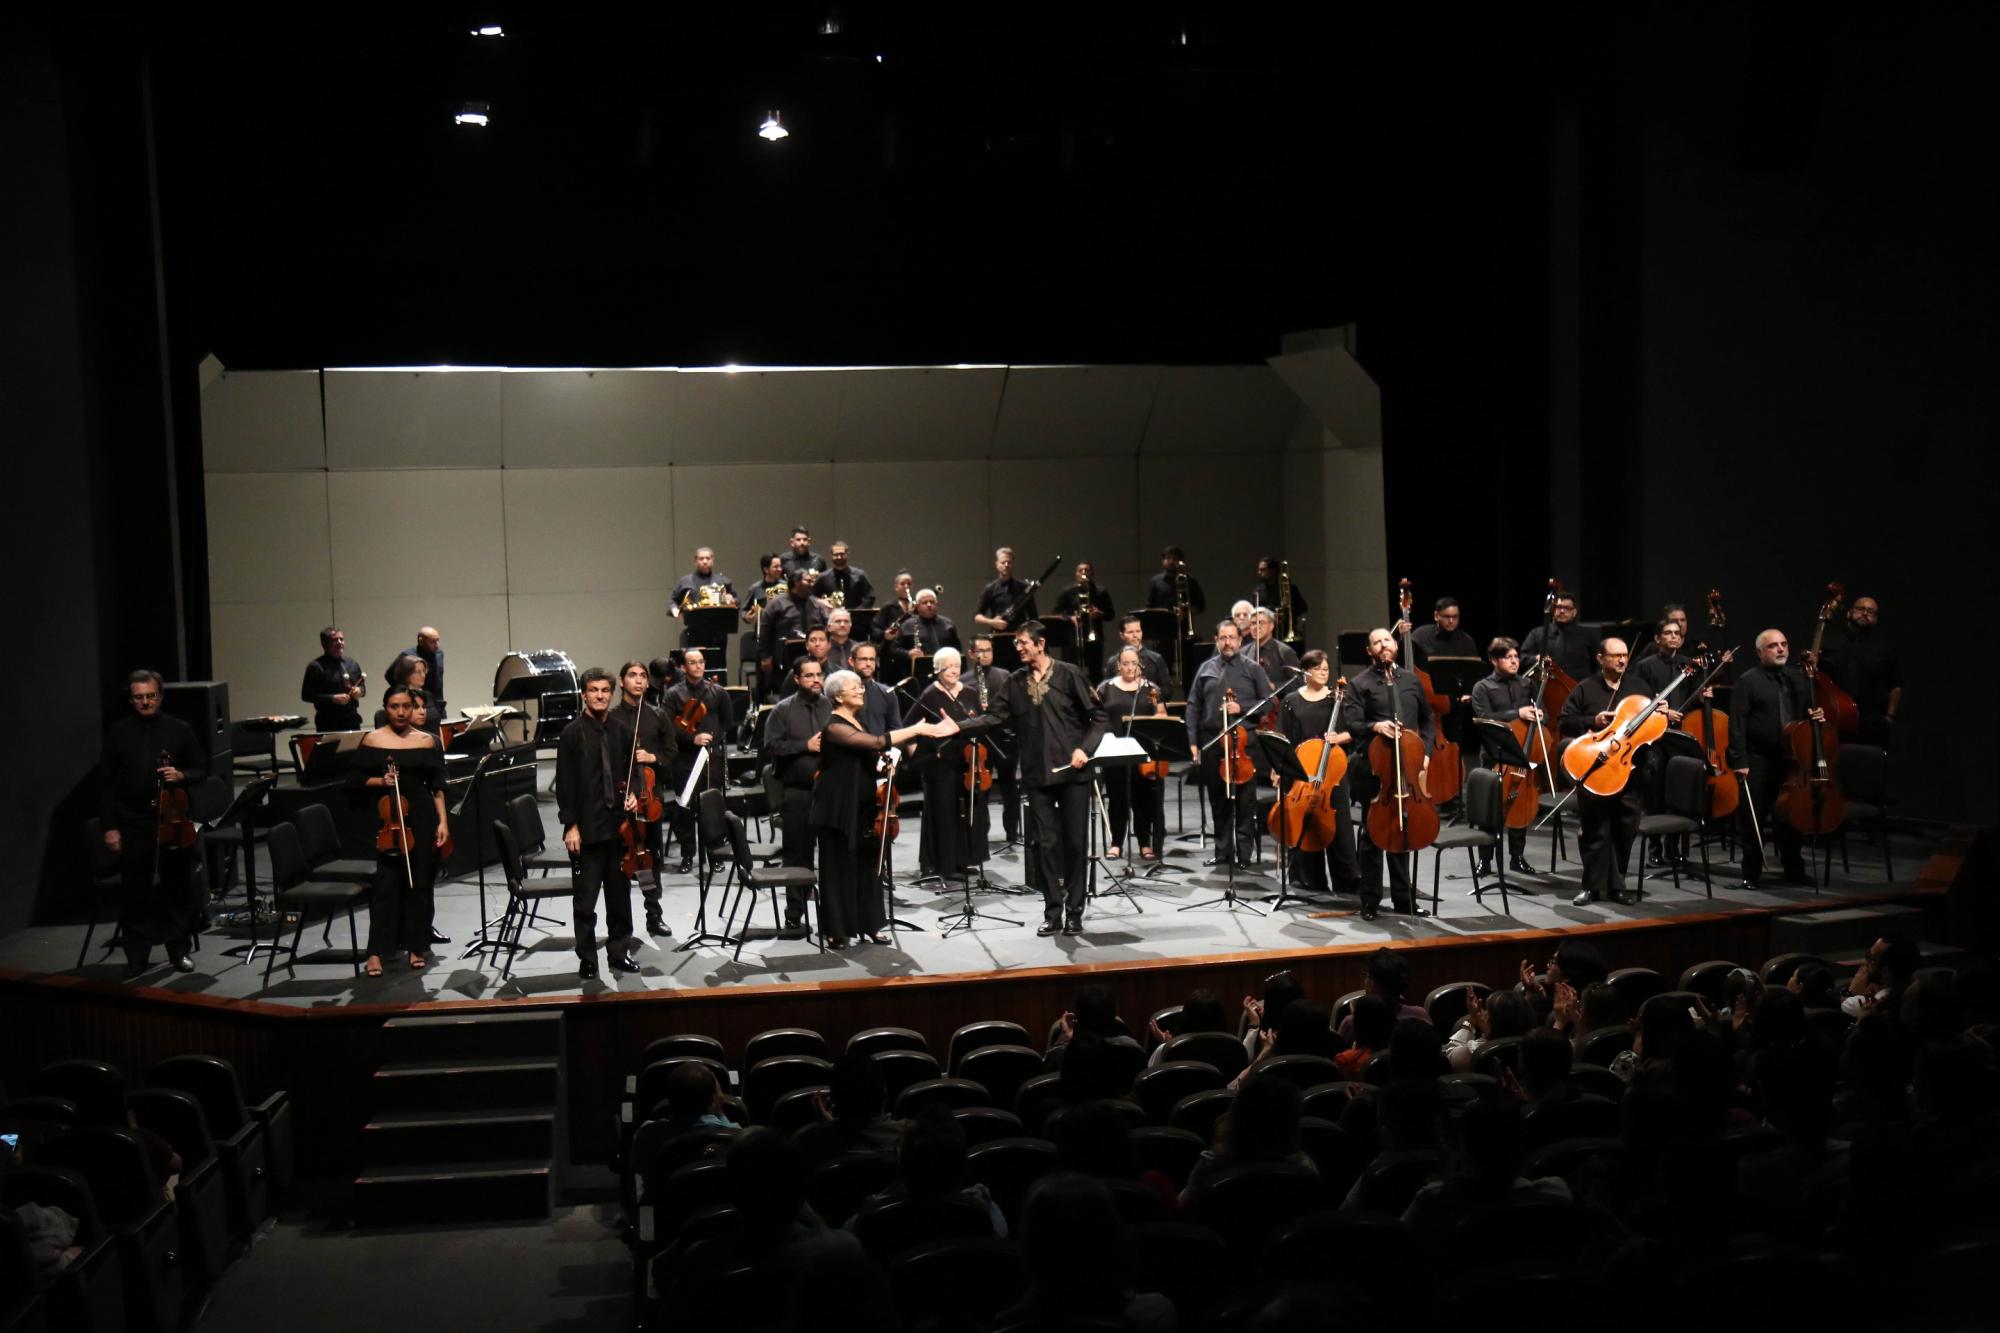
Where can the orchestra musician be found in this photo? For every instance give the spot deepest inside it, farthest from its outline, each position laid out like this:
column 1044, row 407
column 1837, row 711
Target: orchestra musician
column 1442, row 637
column 1088, row 607
column 400, row 903
column 1376, row 698
column 658, row 744
column 1269, row 590
column 1567, row 643
column 1665, row 667
column 843, row 808
column 1132, row 800
column 1161, row 591
column 839, row 637
column 843, row 584
column 819, row 645
column 789, row 615
column 412, row 671
column 883, row 710
column 1208, row 711
column 1505, row 696
column 1674, row 611
column 1006, row 754
column 702, row 588
column 1308, row 716
column 771, row 581
column 1006, row 602
column 792, row 747
column 924, row 631
column 1763, row 701
column 1272, row 653
column 589, row 808
column 1239, row 615
column 888, row 620
column 1864, row 662
column 1607, row 824
column 144, row 753
column 1057, row 725
column 799, row 556
column 1152, row 666
column 711, row 732
column 334, row 684
column 953, row 838
column 429, row 647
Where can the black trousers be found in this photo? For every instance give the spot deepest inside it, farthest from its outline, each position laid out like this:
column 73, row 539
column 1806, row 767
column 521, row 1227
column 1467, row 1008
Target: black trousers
column 851, row 900
column 1061, row 813
column 1371, row 857
column 1134, row 802
column 1606, row 827
column 597, row 867
column 796, row 838
column 1235, row 818
column 1007, row 781
column 1335, row 867
column 400, row 908
column 149, row 913
column 1766, row 776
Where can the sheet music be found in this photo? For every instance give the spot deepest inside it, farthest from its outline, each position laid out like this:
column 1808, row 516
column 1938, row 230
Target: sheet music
column 1119, row 747
column 686, row 798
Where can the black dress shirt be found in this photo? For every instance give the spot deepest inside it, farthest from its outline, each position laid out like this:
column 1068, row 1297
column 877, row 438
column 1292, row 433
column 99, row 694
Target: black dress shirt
column 1160, row 592
column 1593, row 696
column 1204, row 707
column 1866, row 665
column 1274, row 655
column 1762, row 702
column 586, row 786
column 1070, row 602
column 688, row 591
column 128, row 771
column 1659, row 671
column 883, row 711
column 657, row 735
column 1000, row 597
column 853, row 582
column 787, row 728
column 325, row 677
column 928, row 635
column 1428, row 641
column 782, row 619
column 1572, row 646
column 1066, row 719
column 794, row 563
column 1369, row 696
column 1267, row 594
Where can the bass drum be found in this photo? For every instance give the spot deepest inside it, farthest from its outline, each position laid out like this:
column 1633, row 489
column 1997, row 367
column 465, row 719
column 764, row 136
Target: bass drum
column 543, row 684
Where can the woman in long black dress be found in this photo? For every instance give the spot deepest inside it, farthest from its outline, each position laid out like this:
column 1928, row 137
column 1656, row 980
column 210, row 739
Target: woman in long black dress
column 952, row 845
column 392, row 758
column 1130, row 798
column 1311, row 712
column 843, row 812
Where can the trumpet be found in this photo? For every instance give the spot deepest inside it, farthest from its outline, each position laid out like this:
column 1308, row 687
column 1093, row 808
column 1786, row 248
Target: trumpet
column 1086, row 609
column 711, row 595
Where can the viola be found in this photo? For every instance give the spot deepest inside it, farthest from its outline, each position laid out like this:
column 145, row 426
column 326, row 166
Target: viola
column 1402, row 817
column 1306, row 819
column 1235, row 766
column 173, row 827
column 393, row 834
column 1710, row 730
column 1842, row 713
column 638, row 854
column 885, row 823
column 1445, row 779
column 1810, row 799
column 1154, row 770
column 690, row 718
column 1603, row 760
column 978, row 767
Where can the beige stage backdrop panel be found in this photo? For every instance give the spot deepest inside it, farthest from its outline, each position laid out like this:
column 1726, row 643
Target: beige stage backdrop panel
column 556, row 508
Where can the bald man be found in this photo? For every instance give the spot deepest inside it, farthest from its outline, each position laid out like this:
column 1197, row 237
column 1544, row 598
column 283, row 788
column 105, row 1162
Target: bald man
column 429, row 648
column 1608, row 823
column 1766, row 697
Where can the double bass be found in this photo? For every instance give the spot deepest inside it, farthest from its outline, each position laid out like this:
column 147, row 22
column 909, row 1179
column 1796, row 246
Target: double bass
column 1810, row 799
column 1446, row 777
column 1402, row 817
column 1306, row 819
column 1842, row 713
column 1710, row 730
column 1553, row 685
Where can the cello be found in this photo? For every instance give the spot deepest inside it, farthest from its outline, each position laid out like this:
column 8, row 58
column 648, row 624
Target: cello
column 1446, row 776
column 1602, row 760
column 1553, row 685
column 1402, row 817
column 1710, row 730
column 1842, row 713
column 1810, row 799
column 1306, row 819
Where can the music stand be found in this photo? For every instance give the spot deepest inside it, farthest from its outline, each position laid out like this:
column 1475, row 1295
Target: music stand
column 1159, row 626
column 1164, row 738
column 240, row 811
column 709, row 628
column 1228, row 900
column 1113, row 753
column 1283, row 759
column 486, row 740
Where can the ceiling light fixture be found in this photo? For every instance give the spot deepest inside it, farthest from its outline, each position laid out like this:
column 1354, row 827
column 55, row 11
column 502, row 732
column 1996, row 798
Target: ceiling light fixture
column 771, row 129
column 489, row 30
column 474, row 113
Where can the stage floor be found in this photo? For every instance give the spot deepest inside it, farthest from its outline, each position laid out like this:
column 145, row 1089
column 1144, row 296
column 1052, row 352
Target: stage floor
column 1148, row 926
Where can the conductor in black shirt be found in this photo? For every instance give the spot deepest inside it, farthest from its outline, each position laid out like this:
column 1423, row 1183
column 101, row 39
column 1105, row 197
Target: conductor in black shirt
column 146, row 753
column 588, row 806
column 1765, row 699
column 1607, row 824
column 1057, row 725
column 334, row 684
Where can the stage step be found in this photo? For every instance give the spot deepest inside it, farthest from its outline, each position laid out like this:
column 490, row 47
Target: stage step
column 467, row 1120
column 467, row 1191
column 1842, row 931
column 456, row 1037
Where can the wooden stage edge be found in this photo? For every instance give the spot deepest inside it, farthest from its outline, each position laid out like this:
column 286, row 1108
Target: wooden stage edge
column 325, row 1054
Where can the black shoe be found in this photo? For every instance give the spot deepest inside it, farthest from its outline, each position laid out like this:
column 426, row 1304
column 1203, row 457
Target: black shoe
column 182, row 963
column 586, row 969
column 439, row 937
column 1656, row 861
column 1073, row 926
column 1220, row 862
column 624, row 962
column 686, row 866
column 1050, row 925
column 1369, row 913
column 1415, row 910
column 657, row 924
column 138, row 969
column 1519, row 865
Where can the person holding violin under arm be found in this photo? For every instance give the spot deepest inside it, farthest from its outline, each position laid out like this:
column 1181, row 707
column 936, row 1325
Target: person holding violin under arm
column 1504, row 697
column 652, row 751
column 700, row 713
column 589, row 807
column 1606, row 824
column 1765, row 699
column 397, row 761
column 146, row 755
column 845, row 808
column 1209, row 710
column 1381, row 701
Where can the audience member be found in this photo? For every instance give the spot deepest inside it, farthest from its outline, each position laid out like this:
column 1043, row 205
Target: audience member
column 1200, row 1012
column 1261, row 1125
column 1504, row 1013
column 1484, row 1149
column 1891, row 962
column 1079, row 1267
column 1368, row 1027
column 1544, row 1067
column 694, row 1099
column 1387, row 976
column 851, row 1115
column 1280, row 989
column 930, row 1165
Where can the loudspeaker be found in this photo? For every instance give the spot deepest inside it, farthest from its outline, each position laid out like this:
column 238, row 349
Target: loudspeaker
column 203, row 705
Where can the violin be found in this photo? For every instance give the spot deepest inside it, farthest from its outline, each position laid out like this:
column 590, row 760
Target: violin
column 978, row 767
column 1710, row 730
column 1810, row 799
column 885, row 825
column 1306, row 819
column 1603, row 760
column 689, row 719
column 641, row 784
column 1153, row 770
column 1444, row 779
column 394, row 812
column 1402, row 817
column 172, row 826
column 1842, row 713
column 1235, row 765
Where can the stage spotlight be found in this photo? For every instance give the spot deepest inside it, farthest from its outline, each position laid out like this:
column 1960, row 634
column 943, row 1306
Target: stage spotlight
column 771, row 129
column 489, row 30
column 474, row 113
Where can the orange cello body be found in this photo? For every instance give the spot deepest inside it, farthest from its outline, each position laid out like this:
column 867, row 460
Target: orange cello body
column 1402, row 817
column 174, row 827
column 1710, row 730
column 1306, row 819
column 1842, row 713
column 885, row 823
column 1154, row 770
column 1520, row 797
column 1618, row 744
